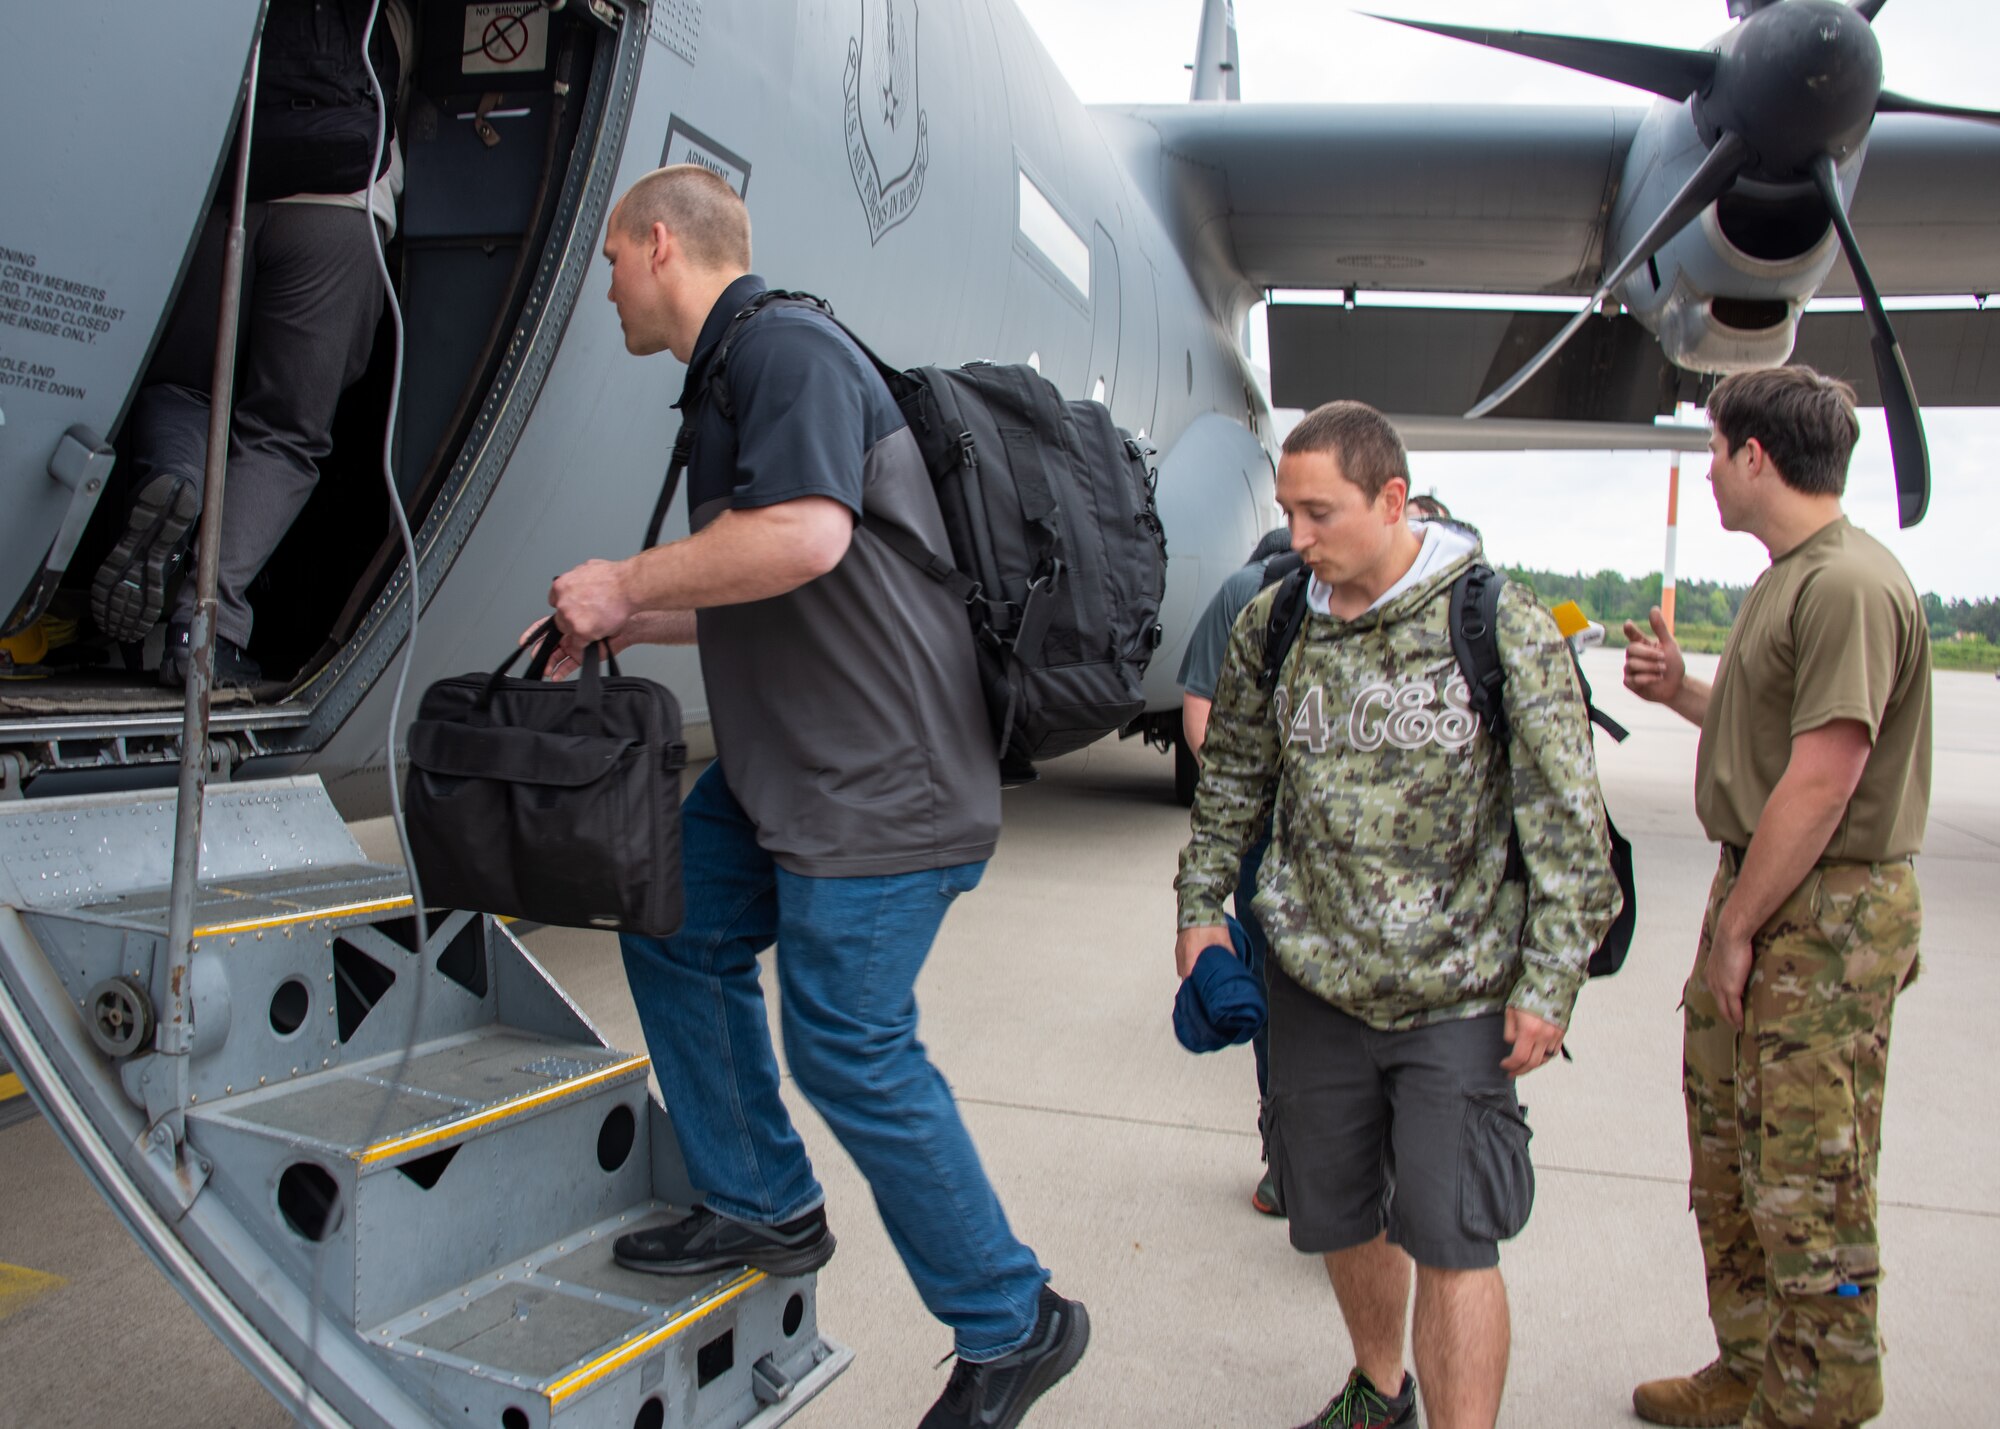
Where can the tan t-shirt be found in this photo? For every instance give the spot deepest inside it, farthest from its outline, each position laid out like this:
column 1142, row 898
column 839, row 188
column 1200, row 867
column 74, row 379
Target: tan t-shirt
column 1833, row 630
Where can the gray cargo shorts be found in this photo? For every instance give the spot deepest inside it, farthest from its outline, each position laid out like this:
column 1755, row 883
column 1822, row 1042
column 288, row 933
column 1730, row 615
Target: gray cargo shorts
column 1415, row 1132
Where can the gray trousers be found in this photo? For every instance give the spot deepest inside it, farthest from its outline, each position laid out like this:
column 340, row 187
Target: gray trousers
column 311, row 299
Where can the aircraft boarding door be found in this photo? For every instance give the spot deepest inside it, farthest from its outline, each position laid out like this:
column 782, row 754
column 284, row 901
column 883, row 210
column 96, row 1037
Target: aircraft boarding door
column 122, row 114
column 1102, row 379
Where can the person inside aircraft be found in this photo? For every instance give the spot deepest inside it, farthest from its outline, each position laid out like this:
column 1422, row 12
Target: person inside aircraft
column 312, row 297
column 839, row 827
column 1813, row 774
column 1199, row 668
column 1410, row 979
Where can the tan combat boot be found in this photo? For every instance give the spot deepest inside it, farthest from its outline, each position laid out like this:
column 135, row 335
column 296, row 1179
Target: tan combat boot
column 1712, row 1397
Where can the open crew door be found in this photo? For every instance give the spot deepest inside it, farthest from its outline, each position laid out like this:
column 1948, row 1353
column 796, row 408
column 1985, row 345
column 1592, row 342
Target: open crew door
column 121, row 116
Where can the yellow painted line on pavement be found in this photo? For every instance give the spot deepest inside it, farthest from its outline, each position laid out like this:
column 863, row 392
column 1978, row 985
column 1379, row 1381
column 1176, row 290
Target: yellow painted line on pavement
column 10, row 1087
column 21, row 1287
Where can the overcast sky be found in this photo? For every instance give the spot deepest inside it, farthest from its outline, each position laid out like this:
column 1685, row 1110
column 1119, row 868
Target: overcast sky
column 1577, row 510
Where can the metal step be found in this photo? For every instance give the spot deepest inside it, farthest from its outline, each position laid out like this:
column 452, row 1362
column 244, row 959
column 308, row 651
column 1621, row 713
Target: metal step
column 398, row 1182
column 389, row 1110
column 391, row 1166
column 565, row 1336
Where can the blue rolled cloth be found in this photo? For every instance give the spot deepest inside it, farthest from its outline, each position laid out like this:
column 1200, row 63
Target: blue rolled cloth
column 1220, row 1003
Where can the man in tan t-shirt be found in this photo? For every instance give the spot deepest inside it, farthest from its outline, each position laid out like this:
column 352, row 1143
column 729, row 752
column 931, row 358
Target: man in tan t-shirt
column 1814, row 776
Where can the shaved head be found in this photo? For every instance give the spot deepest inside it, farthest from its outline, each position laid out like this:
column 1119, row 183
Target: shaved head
column 697, row 207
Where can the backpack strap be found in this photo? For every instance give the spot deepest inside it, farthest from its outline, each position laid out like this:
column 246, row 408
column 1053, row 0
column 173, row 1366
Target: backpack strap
column 1280, row 566
column 993, row 622
column 1597, row 716
column 1475, row 642
column 1281, row 632
column 683, row 449
column 713, row 388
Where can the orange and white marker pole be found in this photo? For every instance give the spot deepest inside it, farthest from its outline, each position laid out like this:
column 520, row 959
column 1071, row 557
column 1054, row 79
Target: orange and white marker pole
column 1673, row 540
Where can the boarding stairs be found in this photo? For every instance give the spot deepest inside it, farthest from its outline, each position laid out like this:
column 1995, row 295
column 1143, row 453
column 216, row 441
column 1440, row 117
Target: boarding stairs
column 391, row 1171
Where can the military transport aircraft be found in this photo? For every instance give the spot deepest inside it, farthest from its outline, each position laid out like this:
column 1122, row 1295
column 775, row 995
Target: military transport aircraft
column 382, row 1154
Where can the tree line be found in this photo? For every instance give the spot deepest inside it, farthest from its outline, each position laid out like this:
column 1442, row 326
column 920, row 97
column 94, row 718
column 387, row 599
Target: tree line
column 1612, row 599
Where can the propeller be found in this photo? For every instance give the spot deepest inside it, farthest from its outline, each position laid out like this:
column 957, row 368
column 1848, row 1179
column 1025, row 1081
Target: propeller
column 1908, row 450
column 1893, row 103
column 1781, row 100
column 1669, row 73
column 1717, row 172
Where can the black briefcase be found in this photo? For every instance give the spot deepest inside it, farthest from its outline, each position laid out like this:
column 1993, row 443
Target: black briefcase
column 552, row 801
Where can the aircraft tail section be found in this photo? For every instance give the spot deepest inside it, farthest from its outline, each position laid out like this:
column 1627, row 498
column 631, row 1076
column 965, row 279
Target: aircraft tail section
column 403, row 1156
column 1216, row 75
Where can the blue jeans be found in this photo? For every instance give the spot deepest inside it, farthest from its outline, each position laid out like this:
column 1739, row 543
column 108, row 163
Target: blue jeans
column 849, row 950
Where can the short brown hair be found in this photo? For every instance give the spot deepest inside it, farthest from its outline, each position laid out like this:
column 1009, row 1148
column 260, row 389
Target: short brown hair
column 698, row 207
column 1804, row 421
column 1360, row 438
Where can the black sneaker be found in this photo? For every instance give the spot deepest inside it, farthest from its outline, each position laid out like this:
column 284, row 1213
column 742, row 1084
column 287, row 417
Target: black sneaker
column 1360, row 1405
column 234, row 668
column 703, row 1241
column 996, row 1395
column 130, row 588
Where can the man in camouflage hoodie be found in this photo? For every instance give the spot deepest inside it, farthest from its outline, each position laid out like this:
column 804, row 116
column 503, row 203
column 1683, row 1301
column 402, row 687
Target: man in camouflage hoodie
column 1412, row 976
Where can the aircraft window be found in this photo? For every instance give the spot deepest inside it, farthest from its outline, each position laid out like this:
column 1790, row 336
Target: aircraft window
column 1053, row 238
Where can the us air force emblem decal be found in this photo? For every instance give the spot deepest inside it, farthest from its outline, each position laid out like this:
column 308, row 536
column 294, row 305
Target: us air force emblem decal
column 888, row 139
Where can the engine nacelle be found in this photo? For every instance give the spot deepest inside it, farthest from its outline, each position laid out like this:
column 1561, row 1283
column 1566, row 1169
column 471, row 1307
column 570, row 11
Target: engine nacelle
column 1708, row 334
column 1727, row 291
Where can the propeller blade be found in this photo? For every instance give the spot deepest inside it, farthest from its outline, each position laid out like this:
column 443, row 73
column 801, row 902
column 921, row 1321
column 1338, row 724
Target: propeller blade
column 1869, row 9
column 1907, row 447
column 1892, row 103
column 1708, row 183
column 1671, row 73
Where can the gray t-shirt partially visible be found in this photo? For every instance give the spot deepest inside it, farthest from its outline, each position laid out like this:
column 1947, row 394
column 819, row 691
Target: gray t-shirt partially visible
column 847, row 713
column 1201, row 666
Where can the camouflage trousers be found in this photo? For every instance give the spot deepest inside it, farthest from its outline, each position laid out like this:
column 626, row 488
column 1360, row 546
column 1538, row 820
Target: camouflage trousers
column 1784, row 1133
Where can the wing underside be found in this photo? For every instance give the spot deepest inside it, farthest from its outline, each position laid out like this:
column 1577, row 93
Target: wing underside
column 1515, row 200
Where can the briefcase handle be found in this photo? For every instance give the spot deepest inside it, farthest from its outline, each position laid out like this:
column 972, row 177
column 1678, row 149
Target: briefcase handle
column 546, row 640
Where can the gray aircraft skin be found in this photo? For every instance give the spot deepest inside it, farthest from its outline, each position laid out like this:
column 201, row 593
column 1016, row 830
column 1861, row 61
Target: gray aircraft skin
column 385, row 1157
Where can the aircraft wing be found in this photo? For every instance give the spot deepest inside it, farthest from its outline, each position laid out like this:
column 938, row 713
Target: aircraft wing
column 1493, row 199
column 1445, row 198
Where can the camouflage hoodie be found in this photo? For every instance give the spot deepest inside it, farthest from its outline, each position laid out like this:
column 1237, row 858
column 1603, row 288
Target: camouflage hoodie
column 1384, row 890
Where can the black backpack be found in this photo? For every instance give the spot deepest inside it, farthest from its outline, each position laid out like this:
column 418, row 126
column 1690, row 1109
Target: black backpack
column 1056, row 547
column 314, row 129
column 1475, row 641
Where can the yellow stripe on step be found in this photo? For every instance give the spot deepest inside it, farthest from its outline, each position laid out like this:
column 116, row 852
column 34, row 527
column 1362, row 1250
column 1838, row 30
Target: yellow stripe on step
column 499, row 1111
column 10, row 1087
column 578, row 1380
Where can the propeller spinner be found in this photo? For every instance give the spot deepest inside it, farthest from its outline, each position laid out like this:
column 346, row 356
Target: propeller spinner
column 1785, row 96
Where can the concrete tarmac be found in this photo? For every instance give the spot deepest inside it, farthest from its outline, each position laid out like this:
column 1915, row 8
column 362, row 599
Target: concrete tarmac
column 1128, row 1164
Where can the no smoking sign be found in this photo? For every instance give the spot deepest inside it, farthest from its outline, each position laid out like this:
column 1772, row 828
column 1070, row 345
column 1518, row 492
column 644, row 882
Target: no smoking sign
column 511, row 37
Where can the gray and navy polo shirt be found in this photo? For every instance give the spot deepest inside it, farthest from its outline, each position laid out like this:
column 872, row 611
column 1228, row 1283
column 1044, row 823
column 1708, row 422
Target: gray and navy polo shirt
column 847, row 713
